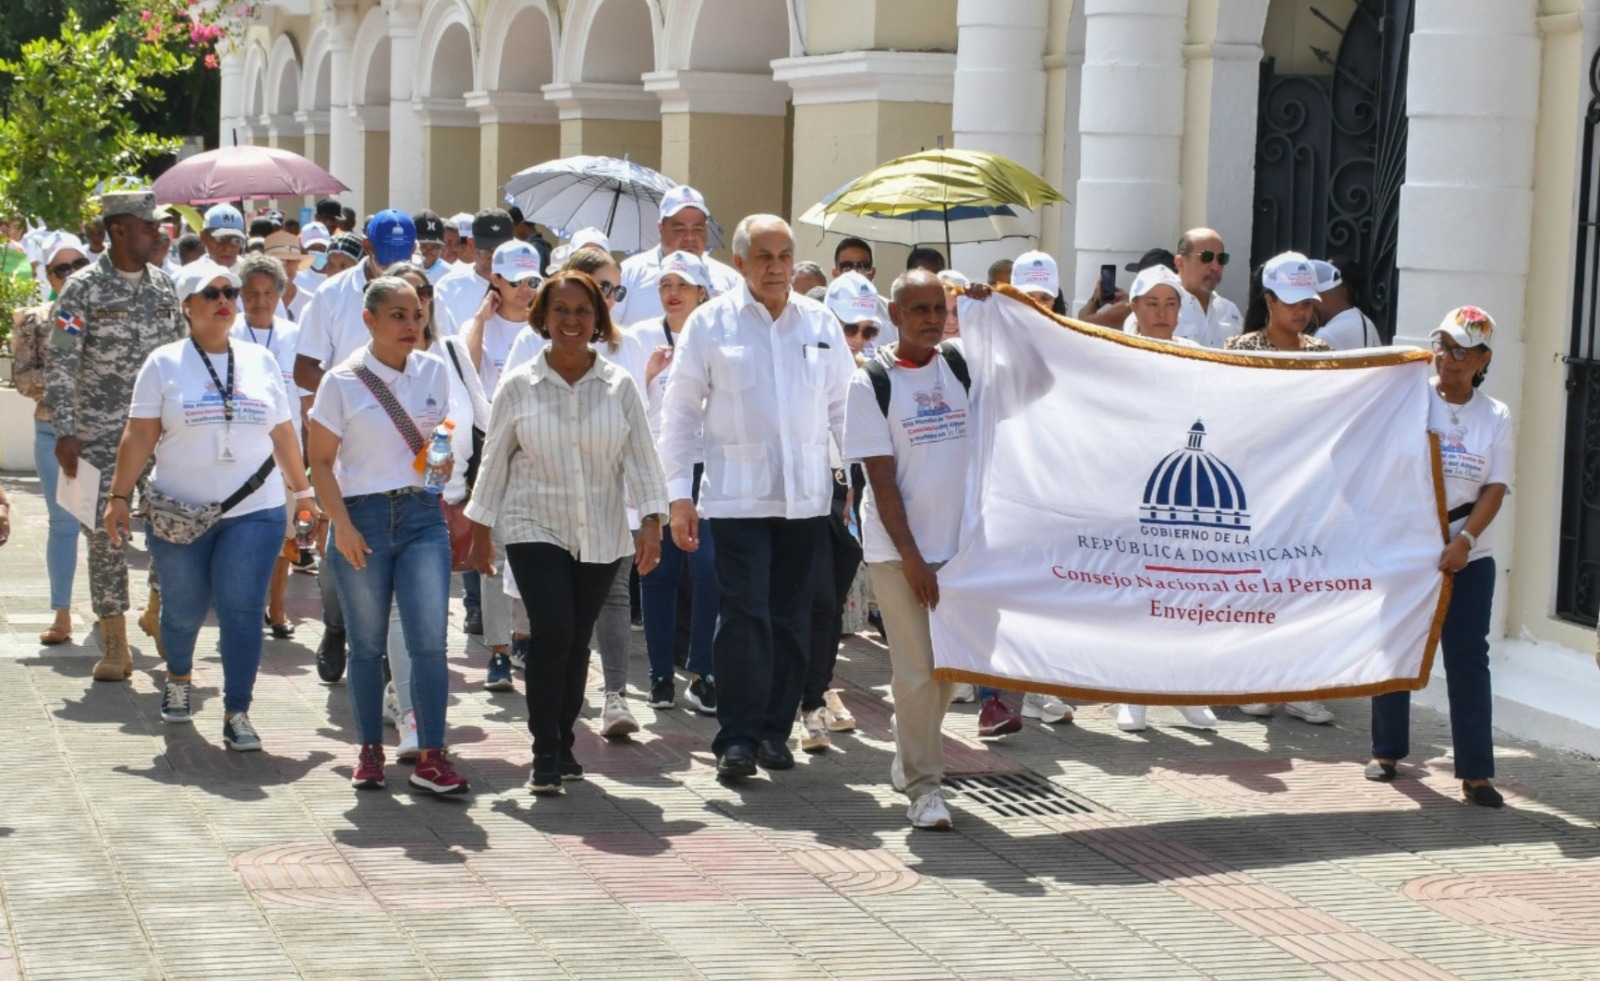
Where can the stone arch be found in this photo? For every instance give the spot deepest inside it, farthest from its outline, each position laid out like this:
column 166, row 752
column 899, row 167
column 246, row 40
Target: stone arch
column 369, row 60
column 743, row 36
column 447, row 51
column 255, row 82
column 283, row 78
column 316, row 73
column 631, row 31
column 524, row 30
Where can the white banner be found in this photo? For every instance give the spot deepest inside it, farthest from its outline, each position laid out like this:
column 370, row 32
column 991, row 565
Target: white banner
column 1178, row 525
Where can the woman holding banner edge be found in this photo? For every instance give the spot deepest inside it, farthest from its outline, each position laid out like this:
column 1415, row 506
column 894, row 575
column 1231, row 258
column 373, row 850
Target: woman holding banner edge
column 1477, row 449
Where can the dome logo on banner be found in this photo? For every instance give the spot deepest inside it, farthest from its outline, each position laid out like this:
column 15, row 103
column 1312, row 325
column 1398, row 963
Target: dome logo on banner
column 1192, row 488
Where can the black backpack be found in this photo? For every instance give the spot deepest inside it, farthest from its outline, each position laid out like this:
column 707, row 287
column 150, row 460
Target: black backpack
column 879, row 373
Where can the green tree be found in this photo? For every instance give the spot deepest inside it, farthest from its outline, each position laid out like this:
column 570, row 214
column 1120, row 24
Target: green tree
column 68, row 125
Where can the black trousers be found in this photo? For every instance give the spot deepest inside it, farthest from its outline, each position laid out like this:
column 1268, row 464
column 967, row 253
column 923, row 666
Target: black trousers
column 841, row 557
column 766, row 569
column 563, row 597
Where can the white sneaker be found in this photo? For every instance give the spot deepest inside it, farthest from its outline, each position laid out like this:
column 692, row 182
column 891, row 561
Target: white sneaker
column 837, row 714
column 408, row 739
column 1198, row 716
column 391, row 706
column 929, row 811
column 1130, row 718
column 1045, row 708
column 616, row 720
column 964, row 695
column 1261, row 710
column 897, row 774
column 1315, row 713
column 814, row 731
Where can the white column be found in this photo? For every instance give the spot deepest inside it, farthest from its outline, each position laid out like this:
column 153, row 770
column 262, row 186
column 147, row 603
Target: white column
column 231, row 97
column 1131, row 124
column 1233, row 71
column 408, row 188
column 345, row 157
column 999, row 99
column 1466, row 210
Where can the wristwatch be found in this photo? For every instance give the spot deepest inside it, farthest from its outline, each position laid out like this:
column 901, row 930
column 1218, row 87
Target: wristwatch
column 1472, row 540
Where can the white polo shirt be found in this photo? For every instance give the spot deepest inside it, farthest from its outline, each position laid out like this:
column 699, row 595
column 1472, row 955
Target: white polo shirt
column 331, row 329
column 639, row 275
column 1208, row 327
column 456, row 299
column 174, row 386
column 373, row 456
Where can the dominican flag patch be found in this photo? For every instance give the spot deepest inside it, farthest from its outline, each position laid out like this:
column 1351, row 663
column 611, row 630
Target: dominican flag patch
column 69, row 322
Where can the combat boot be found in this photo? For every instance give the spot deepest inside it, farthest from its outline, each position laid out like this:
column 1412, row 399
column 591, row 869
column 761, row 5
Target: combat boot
column 116, row 663
column 150, row 622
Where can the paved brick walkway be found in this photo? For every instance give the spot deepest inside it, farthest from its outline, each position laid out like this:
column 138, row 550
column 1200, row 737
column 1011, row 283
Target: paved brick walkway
column 129, row 849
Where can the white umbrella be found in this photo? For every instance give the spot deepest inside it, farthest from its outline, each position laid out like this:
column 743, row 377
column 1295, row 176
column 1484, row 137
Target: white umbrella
column 619, row 197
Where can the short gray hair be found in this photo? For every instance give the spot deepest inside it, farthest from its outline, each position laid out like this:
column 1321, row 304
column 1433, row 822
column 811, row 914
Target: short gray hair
column 747, row 227
column 910, row 278
column 809, row 268
column 381, row 289
column 257, row 264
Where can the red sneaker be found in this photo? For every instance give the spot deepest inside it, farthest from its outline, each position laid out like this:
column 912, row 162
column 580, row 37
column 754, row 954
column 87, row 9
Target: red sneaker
column 435, row 774
column 369, row 768
column 997, row 719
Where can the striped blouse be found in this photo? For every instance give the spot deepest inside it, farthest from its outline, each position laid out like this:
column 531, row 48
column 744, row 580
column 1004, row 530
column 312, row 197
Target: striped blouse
column 557, row 457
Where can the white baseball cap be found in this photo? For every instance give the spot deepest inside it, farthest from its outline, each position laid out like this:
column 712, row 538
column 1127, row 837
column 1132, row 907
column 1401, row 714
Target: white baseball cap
column 1290, row 277
column 1468, row 326
column 585, row 237
column 313, row 233
column 952, row 278
column 686, row 266
column 1328, row 275
column 56, row 243
column 1152, row 276
column 197, row 275
column 463, row 223
column 854, row 300
column 1036, row 272
column 680, row 197
column 516, row 260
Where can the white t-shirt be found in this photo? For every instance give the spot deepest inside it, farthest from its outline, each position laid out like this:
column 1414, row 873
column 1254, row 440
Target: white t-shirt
column 499, row 337
column 468, row 407
column 631, row 354
column 643, row 301
column 1477, row 447
column 926, row 433
column 1349, row 331
column 309, row 280
column 174, row 386
column 1174, row 340
column 281, row 339
column 456, row 299
column 437, row 271
column 302, row 299
column 331, row 328
column 373, row 456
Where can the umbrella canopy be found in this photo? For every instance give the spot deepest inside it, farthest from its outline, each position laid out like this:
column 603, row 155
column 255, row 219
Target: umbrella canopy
column 619, row 197
column 935, row 192
column 232, row 173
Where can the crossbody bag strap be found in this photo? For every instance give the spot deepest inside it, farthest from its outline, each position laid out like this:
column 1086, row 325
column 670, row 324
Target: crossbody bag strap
column 250, row 486
column 391, row 405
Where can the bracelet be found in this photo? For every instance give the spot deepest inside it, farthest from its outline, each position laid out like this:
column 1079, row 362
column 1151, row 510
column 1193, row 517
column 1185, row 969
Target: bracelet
column 1472, row 540
column 118, row 497
column 306, row 494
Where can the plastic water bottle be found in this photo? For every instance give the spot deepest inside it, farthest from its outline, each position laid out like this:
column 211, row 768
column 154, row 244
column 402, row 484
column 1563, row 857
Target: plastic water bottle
column 304, row 527
column 438, row 455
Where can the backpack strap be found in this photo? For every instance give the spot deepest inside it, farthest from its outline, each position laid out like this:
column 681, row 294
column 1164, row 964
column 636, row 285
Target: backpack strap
column 878, row 374
column 958, row 364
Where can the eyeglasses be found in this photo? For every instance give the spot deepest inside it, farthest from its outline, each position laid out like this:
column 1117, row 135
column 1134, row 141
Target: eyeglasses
column 867, row 331
column 860, row 267
column 425, row 292
column 1208, row 257
column 212, row 293
column 1456, row 353
column 65, row 269
column 611, row 292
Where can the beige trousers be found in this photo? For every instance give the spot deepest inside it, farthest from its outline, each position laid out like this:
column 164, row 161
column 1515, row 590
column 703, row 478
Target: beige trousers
column 919, row 701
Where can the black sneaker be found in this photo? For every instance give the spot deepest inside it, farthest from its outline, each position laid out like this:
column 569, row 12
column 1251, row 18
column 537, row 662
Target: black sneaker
column 663, row 694
column 570, row 768
column 331, row 656
column 520, row 646
column 702, row 695
column 499, row 675
column 474, row 624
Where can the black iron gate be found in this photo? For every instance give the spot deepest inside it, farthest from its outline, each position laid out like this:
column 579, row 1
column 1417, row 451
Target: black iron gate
column 1578, row 579
column 1331, row 151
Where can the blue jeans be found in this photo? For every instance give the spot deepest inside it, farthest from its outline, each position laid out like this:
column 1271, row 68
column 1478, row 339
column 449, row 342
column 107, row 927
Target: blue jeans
column 228, row 567
column 1464, row 642
column 409, row 565
column 658, row 595
column 472, row 592
column 61, row 547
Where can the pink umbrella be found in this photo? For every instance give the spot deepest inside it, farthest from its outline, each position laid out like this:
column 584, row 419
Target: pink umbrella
column 236, row 172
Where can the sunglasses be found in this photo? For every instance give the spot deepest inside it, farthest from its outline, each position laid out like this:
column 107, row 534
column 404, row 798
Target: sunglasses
column 531, row 282
column 1457, row 353
column 65, row 269
column 1208, row 257
column 424, row 292
column 212, row 293
column 867, row 331
column 855, row 266
column 615, row 293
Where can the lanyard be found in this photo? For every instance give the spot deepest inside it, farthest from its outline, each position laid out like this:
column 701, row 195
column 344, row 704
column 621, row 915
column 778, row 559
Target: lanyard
column 671, row 342
column 257, row 340
column 225, row 392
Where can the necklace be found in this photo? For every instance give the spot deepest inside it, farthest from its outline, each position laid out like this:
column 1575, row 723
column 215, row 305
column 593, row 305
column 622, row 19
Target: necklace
column 1450, row 407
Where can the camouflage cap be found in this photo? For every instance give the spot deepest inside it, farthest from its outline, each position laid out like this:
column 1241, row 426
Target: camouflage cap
column 140, row 204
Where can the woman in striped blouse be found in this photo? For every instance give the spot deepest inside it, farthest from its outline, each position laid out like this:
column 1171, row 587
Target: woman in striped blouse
column 567, row 431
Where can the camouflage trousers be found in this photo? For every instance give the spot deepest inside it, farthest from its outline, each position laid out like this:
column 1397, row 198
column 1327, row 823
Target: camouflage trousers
column 108, row 564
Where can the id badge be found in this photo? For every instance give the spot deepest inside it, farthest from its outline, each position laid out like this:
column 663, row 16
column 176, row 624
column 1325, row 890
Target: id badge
column 225, row 447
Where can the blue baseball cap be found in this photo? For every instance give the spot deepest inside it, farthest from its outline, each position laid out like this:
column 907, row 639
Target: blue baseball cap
column 221, row 219
column 393, row 236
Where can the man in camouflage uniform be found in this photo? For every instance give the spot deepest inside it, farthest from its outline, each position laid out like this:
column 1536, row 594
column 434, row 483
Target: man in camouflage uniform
column 107, row 318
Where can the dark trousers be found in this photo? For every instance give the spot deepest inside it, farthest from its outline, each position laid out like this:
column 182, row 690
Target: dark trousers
column 472, row 592
column 1464, row 642
column 563, row 597
column 841, row 557
column 765, row 568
